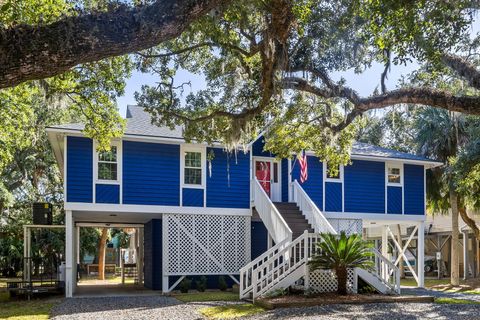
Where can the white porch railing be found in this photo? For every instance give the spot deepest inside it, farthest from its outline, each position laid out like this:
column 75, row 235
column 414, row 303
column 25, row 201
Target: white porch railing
column 271, row 218
column 310, row 210
column 387, row 271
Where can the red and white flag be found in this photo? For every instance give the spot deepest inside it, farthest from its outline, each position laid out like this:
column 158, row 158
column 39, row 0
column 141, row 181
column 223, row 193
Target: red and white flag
column 302, row 161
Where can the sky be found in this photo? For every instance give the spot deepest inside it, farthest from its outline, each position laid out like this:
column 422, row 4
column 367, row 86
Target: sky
column 364, row 83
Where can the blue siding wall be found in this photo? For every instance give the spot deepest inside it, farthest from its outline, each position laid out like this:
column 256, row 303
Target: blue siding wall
column 394, row 200
column 258, row 238
column 223, row 192
column 284, row 180
column 192, row 197
column 79, row 169
column 153, row 254
column 107, row 193
column 314, row 184
column 333, row 197
column 365, row 187
column 414, row 189
column 151, row 173
column 257, row 149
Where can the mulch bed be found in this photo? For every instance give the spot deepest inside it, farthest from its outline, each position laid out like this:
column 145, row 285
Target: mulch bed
column 295, row 301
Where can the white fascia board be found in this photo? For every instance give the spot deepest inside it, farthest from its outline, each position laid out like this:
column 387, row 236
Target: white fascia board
column 131, row 208
column 374, row 216
column 428, row 163
column 56, row 141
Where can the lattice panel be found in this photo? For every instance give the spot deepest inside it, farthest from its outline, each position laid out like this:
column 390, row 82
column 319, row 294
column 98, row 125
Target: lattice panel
column 326, row 281
column 350, row 226
column 205, row 244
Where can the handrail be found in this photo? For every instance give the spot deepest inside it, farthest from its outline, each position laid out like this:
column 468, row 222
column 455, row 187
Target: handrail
column 271, row 218
column 310, row 210
column 387, row 271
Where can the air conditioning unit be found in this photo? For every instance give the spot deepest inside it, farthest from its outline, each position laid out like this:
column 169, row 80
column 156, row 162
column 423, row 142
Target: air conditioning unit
column 42, row 213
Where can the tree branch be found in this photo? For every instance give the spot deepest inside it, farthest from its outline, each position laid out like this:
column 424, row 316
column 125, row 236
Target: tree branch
column 464, row 69
column 35, row 52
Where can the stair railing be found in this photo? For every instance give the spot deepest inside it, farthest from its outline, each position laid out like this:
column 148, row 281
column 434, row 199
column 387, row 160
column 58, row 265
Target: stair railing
column 310, row 210
column 386, row 271
column 271, row 218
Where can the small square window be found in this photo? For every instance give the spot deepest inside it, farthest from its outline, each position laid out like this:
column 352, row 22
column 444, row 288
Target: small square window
column 334, row 176
column 107, row 165
column 394, row 175
column 193, row 168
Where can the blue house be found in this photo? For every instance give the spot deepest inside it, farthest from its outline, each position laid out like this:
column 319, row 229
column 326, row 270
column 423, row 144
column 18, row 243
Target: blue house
column 201, row 210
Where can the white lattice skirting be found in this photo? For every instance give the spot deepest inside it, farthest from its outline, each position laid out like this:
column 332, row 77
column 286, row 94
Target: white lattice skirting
column 326, row 281
column 205, row 244
column 350, row 226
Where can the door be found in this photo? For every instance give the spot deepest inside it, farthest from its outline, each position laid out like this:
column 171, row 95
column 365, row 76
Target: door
column 267, row 173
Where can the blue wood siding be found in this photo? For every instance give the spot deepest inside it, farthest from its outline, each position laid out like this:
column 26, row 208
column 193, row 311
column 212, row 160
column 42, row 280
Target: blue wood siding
column 107, row 193
column 153, row 254
column 333, row 197
column 229, row 184
column 314, row 184
column 394, row 200
column 192, row 197
column 414, row 189
column 258, row 239
column 365, row 187
column 284, row 165
column 257, row 148
column 151, row 173
column 79, row 169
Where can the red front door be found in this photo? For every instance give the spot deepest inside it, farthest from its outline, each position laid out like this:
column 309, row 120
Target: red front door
column 263, row 174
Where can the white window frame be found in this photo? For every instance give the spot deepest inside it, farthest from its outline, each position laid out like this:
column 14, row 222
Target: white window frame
column 118, row 145
column 327, row 179
column 398, row 165
column 193, row 148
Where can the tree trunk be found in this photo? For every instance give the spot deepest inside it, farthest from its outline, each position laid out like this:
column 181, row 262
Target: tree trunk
column 469, row 221
column 35, row 52
column 455, row 261
column 341, row 273
column 101, row 254
column 401, row 267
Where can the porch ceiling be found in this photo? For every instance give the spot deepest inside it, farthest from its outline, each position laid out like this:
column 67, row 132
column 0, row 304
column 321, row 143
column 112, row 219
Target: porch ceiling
column 114, row 217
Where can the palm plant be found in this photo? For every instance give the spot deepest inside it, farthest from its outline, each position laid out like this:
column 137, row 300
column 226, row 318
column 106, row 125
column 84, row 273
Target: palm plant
column 341, row 252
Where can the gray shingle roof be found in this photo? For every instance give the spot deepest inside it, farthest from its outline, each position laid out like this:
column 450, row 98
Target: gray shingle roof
column 139, row 123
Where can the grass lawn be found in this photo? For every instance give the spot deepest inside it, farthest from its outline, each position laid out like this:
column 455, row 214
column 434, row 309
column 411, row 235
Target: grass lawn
column 455, row 301
column 108, row 280
column 207, row 296
column 23, row 310
column 231, row 311
column 428, row 282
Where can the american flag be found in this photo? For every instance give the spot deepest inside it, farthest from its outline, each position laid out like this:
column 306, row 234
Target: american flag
column 302, row 161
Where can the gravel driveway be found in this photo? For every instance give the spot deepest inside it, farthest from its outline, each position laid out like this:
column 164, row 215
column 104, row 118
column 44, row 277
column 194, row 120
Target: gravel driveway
column 160, row 307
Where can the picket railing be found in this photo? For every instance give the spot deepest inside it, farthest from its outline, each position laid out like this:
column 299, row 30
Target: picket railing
column 310, row 210
column 386, row 270
column 277, row 228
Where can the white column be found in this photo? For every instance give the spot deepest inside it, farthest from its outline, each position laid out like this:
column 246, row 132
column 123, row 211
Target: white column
column 421, row 254
column 384, row 241
column 69, row 251
column 140, row 256
column 77, row 243
column 465, row 254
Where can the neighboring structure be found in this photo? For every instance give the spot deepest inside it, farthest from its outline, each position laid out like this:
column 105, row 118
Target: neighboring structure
column 204, row 211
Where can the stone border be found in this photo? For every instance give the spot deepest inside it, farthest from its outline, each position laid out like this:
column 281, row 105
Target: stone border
column 298, row 301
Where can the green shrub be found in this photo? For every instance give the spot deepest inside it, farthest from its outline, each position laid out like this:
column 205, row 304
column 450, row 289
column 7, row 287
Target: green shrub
column 222, row 283
column 201, row 284
column 185, row 285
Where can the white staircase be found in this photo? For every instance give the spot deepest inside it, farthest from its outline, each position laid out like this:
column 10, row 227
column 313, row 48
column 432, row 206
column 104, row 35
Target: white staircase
column 285, row 263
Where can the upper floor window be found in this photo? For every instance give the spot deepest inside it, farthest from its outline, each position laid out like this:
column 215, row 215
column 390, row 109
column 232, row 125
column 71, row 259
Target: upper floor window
column 108, row 164
column 193, row 168
column 394, row 174
column 337, row 175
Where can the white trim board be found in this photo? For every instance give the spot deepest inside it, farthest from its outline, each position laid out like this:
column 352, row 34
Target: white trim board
column 131, row 208
column 374, row 216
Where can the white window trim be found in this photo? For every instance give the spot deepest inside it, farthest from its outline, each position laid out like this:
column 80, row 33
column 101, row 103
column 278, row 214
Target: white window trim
column 193, row 148
column 326, row 179
column 394, row 165
column 115, row 143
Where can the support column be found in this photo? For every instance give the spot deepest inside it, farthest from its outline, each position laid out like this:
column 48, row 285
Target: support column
column 465, row 254
column 384, row 241
column 140, row 256
column 421, row 254
column 69, row 257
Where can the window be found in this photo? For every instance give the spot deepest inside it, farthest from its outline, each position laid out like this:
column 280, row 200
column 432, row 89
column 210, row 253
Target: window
column 394, row 175
column 193, row 168
column 337, row 176
column 108, row 165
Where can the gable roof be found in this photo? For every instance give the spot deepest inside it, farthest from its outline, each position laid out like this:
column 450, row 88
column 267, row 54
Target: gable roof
column 139, row 124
